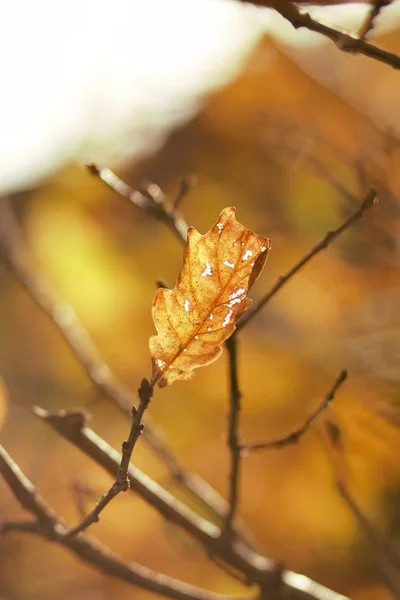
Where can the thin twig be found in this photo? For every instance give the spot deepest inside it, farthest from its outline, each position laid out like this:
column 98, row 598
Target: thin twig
column 121, row 483
column 294, row 436
column 370, row 199
column 233, row 434
column 344, row 41
column 49, row 526
column 106, row 383
column 373, row 14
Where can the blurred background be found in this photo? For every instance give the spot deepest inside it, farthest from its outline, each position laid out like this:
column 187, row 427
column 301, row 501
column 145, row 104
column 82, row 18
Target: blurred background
column 294, row 141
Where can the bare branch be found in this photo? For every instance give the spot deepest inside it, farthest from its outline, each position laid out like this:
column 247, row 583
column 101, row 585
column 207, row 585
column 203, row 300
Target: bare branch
column 52, row 528
column 233, row 433
column 65, row 319
column 294, row 436
column 72, row 426
column 344, row 41
column 370, row 199
column 232, row 552
column 121, row 483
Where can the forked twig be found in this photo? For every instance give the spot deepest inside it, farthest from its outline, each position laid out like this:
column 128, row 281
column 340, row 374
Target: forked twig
column 370, row 199
column 294, row 436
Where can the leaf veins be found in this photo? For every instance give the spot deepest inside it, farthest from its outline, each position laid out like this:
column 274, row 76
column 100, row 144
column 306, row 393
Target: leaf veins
column 200, row 313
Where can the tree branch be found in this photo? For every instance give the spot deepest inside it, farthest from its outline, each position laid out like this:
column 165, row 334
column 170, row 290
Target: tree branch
column 106, row 383
column 294, row 436
column 344, row 41
column 370, row 199
column 233, row 552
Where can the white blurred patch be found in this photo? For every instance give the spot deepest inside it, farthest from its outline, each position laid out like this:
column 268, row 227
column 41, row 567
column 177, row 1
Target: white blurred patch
column 104, row 80
column 99, row 80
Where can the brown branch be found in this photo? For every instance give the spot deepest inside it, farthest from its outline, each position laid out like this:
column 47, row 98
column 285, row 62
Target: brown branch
column 294, row 436
column 344, row 41
column 85, row 351
column 233, row 434
column 52, row 528
column 374, row 12
column 370, row 199
column 232, row 552
column 121, row 483
column 72, row 426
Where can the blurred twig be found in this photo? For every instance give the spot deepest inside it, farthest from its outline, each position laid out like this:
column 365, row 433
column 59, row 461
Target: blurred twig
column 387, row 559
column 344, row 41
column 370, row 199
column 64, row 317
column 387, row 562
column 82, row 492
column 153, row 201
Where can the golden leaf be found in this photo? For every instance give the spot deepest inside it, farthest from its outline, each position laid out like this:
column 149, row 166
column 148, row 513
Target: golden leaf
column 200, row 313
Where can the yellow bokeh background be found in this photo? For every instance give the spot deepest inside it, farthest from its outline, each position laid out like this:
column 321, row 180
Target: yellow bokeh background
column 295, row 160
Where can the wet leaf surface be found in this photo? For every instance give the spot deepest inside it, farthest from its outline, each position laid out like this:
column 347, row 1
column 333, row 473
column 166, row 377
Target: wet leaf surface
column 200, row 313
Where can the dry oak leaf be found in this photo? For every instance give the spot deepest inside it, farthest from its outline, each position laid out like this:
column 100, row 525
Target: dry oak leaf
column 200, row 313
